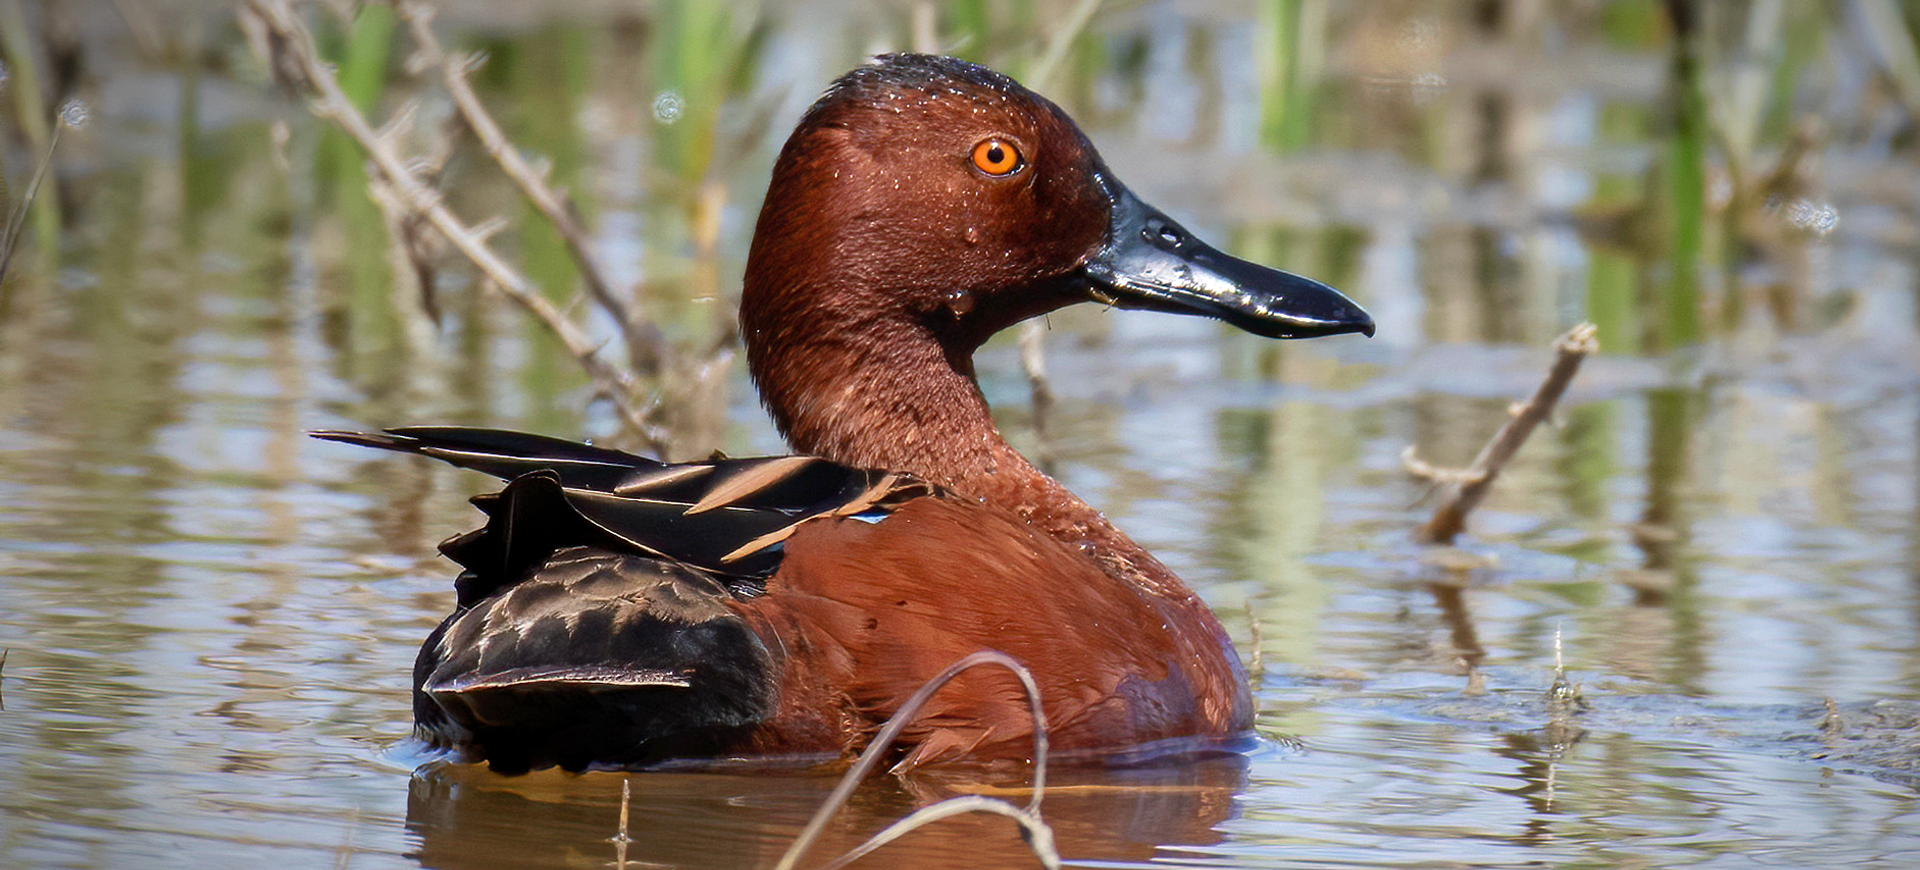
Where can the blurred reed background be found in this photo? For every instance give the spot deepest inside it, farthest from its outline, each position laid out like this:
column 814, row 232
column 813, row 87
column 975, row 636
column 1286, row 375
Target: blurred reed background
column 1477, row 171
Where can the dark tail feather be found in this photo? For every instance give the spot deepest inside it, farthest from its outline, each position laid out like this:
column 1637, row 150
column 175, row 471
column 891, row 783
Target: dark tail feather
column 507, row 455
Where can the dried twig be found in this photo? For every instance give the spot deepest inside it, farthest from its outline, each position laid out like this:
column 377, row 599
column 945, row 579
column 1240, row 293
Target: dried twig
column 1462, row 489
column 72, row 114
column 1033, row 356
column 1256, row 662
column 1033, row 359
column 1832, row 724
column 1420, row 468
column 643, row 342
column 416, row 245
column 620, row 839
column 1060, row 41
column 1564, row 701
column 925, row 27
column 141, row 21
column 415, row 249
column 287, row 45
column 1038, row 834
column 16, row 221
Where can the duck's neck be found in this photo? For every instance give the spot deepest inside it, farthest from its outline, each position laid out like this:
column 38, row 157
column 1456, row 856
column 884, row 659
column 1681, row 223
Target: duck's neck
column 897, row 402
column 893, row 397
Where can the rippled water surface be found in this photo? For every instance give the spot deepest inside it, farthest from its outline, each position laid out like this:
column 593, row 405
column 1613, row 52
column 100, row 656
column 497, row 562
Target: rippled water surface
column 209, row 619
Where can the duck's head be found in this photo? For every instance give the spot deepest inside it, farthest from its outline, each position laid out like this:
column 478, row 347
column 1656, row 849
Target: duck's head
column 935, row 191
column 930, row 201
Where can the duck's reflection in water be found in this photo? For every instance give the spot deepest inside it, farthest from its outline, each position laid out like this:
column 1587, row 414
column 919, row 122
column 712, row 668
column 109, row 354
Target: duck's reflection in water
column 464, row 816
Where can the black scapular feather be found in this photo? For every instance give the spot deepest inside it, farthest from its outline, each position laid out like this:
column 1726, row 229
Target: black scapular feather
column 563, row 493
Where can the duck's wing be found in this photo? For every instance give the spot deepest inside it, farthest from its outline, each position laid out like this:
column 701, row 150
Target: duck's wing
column 594, row 621
column 727, row 517
column 594, row 658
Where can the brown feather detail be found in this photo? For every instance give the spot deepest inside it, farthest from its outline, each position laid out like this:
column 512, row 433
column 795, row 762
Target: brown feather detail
column 1117, row 663
column 750, row 480
column 656, row 478
column 760, row 543
column 882, row 490
column 887, row 489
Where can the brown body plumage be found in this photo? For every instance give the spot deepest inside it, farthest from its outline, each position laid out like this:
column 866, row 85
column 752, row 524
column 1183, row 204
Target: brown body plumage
column 786, row 607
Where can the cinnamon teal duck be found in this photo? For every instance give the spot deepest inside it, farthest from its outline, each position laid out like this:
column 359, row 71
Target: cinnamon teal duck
column 619, row 611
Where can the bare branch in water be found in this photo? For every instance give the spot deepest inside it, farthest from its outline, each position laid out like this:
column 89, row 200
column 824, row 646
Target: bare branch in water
column 287, row 46
column 1033, row 359
column 1420, row 468
column 620, row 839
column 17, row 221
column 1256, row 661
column 643, row 341
column 1033, row 353
column 1462, row 489
column 1038, row 834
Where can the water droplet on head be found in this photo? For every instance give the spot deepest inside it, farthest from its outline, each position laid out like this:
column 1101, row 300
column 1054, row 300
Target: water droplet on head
column 959, row 302
column 972, row 235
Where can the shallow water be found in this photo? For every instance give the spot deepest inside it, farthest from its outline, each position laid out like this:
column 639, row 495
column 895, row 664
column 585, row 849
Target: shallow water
column 210, row 618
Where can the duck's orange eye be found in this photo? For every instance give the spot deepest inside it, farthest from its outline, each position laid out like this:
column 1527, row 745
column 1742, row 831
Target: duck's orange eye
column 997, row 157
